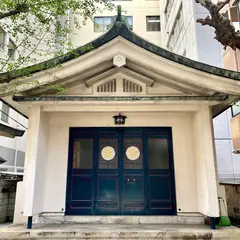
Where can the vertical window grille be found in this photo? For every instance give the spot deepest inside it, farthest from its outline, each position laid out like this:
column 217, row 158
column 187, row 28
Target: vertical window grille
column 5, row 113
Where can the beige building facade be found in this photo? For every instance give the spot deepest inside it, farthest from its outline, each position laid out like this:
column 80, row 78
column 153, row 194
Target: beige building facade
column 140, row 14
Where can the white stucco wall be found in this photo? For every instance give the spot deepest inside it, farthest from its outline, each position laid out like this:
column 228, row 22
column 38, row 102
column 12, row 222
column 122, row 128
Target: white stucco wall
column 57, row 153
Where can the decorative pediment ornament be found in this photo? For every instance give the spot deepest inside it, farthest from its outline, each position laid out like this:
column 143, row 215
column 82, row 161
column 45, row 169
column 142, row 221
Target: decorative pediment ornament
column 119, row 60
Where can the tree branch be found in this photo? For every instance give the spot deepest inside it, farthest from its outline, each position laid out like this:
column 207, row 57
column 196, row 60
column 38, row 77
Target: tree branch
column 205, row 21
column 21, row 8
column 224, row 30
column 221, row 5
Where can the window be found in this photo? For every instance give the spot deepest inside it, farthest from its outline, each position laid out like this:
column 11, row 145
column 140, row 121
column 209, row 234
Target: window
column 153, row 23
column 5, row 113
column 83, row 154
column 103, row 24
column 236, row 109
column 233, row 14
column 158, row 153
column 129, row 21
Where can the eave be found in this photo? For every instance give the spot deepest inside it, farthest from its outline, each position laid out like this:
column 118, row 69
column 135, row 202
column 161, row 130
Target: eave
column 118, row 98
column 119, row 29
column 148, row 63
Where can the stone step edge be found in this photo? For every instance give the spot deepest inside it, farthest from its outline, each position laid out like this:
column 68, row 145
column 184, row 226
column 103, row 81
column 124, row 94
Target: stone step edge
column 120, row 220
column 217, row 234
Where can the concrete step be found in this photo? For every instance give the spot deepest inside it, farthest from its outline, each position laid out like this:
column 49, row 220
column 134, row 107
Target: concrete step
column 51, row 218
column 118, row 231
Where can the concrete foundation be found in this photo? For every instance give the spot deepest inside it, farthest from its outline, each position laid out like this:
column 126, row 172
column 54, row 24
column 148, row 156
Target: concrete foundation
column 118, row 231
column 233, row 200
column 56, row 219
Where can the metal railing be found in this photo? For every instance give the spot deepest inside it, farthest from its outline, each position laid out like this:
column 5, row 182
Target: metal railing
column 11, row 169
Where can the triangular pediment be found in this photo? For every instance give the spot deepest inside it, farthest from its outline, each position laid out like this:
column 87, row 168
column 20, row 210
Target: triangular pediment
column 120, row 84
column 133, row 63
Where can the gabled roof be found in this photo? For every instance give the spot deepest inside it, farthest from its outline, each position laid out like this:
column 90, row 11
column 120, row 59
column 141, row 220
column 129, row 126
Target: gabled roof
column 148, row 63
column 119, row 29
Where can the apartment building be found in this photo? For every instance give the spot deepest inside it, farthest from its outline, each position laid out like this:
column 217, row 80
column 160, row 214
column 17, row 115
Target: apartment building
column 12, row 154
column 143, row 17
column 13, row 124
column 181, row 34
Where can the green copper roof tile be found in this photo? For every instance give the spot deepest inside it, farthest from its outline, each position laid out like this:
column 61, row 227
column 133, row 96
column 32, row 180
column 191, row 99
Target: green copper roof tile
column 119, row 28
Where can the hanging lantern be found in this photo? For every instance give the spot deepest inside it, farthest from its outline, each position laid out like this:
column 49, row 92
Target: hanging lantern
column 119, row 119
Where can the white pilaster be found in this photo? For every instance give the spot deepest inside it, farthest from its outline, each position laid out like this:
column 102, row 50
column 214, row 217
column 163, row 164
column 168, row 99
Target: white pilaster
column 205, row 163
column 35, row 162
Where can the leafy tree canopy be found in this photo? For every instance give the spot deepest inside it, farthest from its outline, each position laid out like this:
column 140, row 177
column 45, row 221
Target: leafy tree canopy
column 41, row 28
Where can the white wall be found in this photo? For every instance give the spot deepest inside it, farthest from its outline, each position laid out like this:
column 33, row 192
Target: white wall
column 56, row 169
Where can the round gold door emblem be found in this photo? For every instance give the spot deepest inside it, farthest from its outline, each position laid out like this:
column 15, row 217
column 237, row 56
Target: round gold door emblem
column 132, row 153
column 108, row 153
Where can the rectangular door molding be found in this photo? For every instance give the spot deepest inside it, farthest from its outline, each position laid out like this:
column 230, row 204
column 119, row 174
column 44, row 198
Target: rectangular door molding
column 120, row 171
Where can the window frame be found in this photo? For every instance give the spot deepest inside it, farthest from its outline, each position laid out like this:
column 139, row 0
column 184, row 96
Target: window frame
column 5, row 113
column 156, row 21
column 111, row 24
column 234, row 115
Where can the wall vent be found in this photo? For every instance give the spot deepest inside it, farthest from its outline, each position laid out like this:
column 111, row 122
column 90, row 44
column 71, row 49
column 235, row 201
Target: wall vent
column 107, row 87
column 131, row 87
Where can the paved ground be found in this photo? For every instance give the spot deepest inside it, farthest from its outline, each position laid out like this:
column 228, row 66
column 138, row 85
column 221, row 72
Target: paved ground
column 117, row 231
column 4, row 225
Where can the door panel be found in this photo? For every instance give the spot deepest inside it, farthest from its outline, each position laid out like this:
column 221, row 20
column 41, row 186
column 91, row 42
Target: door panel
column 160, row 173
column 133, row 200
column 107, row 178
column 80, row 197
column 120, row 171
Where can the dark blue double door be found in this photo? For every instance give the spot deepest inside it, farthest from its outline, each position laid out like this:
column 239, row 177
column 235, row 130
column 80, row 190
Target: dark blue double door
column 120, row 171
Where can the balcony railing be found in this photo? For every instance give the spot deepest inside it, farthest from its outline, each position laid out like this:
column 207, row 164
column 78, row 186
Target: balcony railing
column 14, row 170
